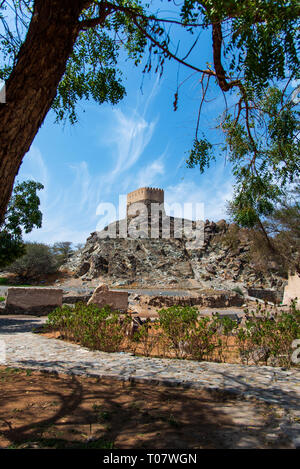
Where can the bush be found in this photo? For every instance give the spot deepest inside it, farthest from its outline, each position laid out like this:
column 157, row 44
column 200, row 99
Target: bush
column 37, row 260
column 176, row 321
column 93, row 327
column 267, row 338
column 200, row 340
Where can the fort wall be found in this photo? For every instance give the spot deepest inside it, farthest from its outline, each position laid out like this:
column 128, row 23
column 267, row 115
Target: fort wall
column 145, row 194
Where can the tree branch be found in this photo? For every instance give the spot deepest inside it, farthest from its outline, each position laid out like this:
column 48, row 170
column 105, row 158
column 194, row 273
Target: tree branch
column 265, row 234
column 104, row 10
column 217, row 47
column 167, row 51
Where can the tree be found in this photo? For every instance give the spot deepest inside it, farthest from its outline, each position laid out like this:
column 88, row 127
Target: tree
column 280, row 249
column 62, row 251
column 38, row 260
column 263, row 146
column 23, row 214
column 61, row 51
column 284, row 227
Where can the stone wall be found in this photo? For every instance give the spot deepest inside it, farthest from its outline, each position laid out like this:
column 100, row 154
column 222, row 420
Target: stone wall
column 212, row 300
column 266, row 295
column 292, row 290
column 31, row 300
column 149, row 305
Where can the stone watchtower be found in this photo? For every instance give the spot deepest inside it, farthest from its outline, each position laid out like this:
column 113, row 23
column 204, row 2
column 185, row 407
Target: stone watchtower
column 145, row 195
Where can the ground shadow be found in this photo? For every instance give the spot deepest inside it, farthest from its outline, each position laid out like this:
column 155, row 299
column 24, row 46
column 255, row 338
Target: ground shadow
column 67, row 411
column 18, row 325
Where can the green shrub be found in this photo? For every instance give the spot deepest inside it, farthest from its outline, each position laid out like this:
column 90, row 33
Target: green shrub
column 144, row 336
column 238, row 290
column 267, row 338
column 38, row 260
column 200, row 339
column 176, row 321
column 94, row 327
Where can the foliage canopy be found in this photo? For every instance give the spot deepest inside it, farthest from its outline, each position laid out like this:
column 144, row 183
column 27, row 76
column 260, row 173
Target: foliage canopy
column 22, row 214
column 253, row 49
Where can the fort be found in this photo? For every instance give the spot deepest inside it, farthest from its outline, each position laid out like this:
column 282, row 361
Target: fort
column 146, row 195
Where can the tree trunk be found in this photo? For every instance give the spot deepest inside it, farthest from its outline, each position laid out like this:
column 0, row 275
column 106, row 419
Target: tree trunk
column 267, row 238
column 33, row 83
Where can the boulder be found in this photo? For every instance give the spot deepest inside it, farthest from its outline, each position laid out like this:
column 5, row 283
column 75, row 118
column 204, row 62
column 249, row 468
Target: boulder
column 102, row 296
column 38, row 301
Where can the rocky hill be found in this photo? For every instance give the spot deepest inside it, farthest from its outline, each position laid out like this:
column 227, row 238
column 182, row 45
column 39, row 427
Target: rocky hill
column 148, row 262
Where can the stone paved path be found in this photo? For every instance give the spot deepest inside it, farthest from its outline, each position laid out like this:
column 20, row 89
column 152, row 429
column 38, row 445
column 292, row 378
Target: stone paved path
column 273, row 385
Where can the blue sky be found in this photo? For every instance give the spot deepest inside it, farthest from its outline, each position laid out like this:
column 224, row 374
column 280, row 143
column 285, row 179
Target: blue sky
column 116, row 149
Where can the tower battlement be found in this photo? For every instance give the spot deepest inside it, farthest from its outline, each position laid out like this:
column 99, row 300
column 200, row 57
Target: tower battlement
column 145, row 195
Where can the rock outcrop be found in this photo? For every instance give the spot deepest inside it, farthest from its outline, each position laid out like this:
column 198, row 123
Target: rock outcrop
column 102, row 296
column 148, row 262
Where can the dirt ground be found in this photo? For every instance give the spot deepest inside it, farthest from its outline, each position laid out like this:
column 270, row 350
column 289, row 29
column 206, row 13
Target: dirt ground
column 43, row 410
column 161, row 348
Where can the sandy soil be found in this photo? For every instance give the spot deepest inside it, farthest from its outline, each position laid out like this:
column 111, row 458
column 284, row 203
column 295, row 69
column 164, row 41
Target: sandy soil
column 42, row 410
column 155, row 347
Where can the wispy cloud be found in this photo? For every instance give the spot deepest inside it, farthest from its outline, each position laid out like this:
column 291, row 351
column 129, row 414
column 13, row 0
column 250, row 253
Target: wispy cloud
column 131, row 135
column 34, row 167
column 70, row 212
column 129, row 132
column 116, row 160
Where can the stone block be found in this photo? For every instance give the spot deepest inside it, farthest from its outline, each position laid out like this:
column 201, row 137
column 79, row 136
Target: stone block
column 102, row 296
column 32, row 300
column 266, row 295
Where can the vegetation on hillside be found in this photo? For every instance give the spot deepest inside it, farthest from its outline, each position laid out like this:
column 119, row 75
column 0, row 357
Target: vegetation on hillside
column 39, row 260
column 277, row 245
